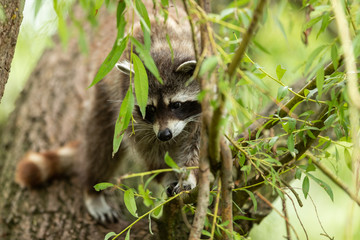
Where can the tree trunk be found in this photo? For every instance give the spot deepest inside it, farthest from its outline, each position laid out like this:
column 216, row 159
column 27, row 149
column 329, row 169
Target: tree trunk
column 48, row 114
column 10, row 20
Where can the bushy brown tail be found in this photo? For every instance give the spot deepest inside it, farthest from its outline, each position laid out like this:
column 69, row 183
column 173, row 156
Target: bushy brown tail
column 36, row 168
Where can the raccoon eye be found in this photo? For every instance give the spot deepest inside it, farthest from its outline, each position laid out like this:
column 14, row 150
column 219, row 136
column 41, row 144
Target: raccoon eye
column 175, row 105
column 150, row 113
column 150, row 108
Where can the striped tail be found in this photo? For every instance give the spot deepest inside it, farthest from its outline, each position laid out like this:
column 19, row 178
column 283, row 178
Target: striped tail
column 37, row 168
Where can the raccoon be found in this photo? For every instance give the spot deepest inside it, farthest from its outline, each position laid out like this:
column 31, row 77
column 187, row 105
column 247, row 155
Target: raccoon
column 171, row 124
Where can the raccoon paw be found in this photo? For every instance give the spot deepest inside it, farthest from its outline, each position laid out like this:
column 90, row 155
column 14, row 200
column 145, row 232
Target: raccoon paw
column 175, row 187
column 100, row 210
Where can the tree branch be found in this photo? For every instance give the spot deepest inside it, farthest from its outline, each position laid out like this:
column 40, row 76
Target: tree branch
column 333, row 178
column 204, row 168
column 352, row 85
column 227, row 186
column 329, row 69
column 246, row 39
column 9, row 31
column 257, row 181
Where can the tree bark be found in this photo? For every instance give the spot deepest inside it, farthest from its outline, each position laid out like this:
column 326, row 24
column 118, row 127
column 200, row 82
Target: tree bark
column 49, row 114
column 10, row 20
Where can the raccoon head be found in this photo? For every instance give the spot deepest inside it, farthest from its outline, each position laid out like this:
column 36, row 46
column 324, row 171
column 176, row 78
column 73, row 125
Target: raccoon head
column 173, row 104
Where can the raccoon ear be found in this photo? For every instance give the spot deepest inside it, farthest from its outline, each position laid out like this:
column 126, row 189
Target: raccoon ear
column 125, row 67
column 186, row 66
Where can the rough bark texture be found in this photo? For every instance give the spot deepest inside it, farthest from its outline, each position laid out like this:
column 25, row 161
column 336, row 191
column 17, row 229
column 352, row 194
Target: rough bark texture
column 48, row 114
column 9, row 30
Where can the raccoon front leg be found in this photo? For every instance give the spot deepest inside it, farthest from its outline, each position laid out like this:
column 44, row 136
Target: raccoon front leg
column 99, row 165
column 186, row 181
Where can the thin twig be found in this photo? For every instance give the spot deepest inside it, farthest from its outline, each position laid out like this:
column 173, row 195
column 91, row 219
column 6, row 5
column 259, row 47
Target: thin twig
column 294, row 192
column 192, row 27
column 333, row 178
column 227, row 186
column 287, row 225
column 317, row 215
column 277, row 211
column 241, row 196
column 352, row 85
column 146, row 214
column 204, row 168
column 297, row 215
column 246, row 39
column 329, row 69
column 216, row 210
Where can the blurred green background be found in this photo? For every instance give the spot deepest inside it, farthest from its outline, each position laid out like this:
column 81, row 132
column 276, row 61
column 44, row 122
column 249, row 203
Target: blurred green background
column 281, row 36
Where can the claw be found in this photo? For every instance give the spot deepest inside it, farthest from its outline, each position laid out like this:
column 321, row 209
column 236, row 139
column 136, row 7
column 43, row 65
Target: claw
column 188, row 184
column 100, row 210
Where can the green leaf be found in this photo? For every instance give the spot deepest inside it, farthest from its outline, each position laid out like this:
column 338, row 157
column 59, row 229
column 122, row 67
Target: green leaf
column 128, row 235
column 282, row 92
column 165, row 3
column 313, row 55
column 157, row 212
column 120, row 19
column 38, row 4
column 261, row 47
column 170, row 162
column 273, row 160
column 337, row 157
column 147, row 59
column 356, row 45
column 110, row 60
column 109, row 235
column 242, row 159
column 208, row 65
column 280, row 72
column 320, row 82
column 170, row 46
column 306, row 186
column 310, row 133
column 205, row 233
column 147, row 38
column 291, row 145
column 239, row 217
column 348, row 159
column 141, row 84
column 325, row 22
column 329, row 120
column 123, row 120
column 98, row 4
column 103, row 186
column 145, row 195
column 311, row 23
column 272, row 141
column 129, row 200
column 63, row 30
column 143, row 14
column 323, row 185
column 306, row 92
column 256, row 80
column 335, row 56
column 253, row 199
column 150, row 179
column 292, row 124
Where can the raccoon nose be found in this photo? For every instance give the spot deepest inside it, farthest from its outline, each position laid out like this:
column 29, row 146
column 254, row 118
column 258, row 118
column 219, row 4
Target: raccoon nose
column 164, row 135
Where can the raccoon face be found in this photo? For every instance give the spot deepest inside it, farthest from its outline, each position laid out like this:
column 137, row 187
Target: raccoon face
column 169, row 116
column 172, row 105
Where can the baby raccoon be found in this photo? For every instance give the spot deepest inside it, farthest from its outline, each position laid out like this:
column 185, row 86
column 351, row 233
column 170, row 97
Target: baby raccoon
column 171, row 123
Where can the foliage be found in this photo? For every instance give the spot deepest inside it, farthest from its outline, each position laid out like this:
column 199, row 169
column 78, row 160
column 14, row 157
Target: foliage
column 293, row 137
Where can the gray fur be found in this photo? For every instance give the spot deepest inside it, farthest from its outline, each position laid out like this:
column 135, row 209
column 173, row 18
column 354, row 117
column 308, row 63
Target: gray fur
column 175, row 72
